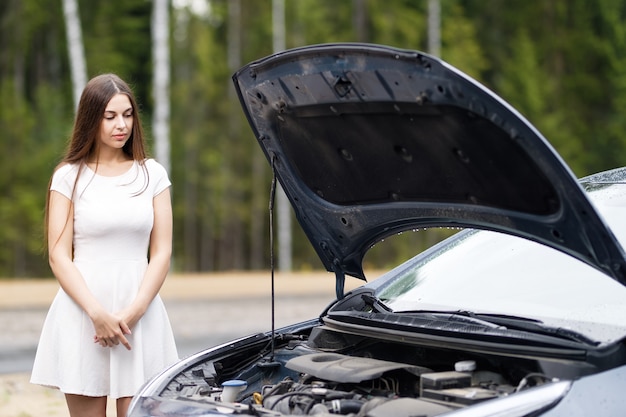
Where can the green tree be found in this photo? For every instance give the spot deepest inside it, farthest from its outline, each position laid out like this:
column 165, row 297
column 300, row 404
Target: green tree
column 33, row 92
column 561, row 63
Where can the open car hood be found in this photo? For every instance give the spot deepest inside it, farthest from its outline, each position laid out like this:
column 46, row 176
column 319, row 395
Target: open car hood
column 368, row 141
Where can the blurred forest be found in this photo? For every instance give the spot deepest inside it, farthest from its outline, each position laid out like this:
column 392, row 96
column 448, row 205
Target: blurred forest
column 561, row 63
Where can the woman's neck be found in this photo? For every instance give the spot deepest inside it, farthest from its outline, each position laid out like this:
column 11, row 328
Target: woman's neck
column 110, row 163
column 109, row 157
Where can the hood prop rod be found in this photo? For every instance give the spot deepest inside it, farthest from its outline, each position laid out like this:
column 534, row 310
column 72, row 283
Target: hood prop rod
column 271, row 362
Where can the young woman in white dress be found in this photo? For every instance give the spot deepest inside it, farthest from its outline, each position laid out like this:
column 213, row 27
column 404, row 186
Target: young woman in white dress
column 109, row 241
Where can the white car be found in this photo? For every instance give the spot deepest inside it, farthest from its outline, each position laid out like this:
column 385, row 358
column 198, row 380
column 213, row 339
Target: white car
column 523, row 313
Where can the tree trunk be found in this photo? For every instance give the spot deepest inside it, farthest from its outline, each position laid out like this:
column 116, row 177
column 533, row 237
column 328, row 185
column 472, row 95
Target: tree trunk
column 161, row 81
column 78, row 68
column 434, row 27
column 359, row 20
column 285, row 261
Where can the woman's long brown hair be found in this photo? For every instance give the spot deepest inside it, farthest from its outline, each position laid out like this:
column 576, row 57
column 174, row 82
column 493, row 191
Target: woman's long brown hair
column 83, row 143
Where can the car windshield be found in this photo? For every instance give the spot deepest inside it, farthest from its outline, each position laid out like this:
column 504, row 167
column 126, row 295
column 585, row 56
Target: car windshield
column 494, row 273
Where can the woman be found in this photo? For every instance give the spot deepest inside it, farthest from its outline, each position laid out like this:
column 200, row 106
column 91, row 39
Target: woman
column 108, row 208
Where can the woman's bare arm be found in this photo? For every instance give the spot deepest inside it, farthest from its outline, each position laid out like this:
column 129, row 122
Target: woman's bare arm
column 160, row 257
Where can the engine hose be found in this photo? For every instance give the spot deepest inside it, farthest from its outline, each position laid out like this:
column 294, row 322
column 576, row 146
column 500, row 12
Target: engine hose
column 345, row 406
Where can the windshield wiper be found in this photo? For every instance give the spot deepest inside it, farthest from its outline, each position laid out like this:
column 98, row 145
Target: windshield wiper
column 375, row 304
column 378, row 306
column 537, row 326
column 515, row 323
column 368, row 303
column 459, row 316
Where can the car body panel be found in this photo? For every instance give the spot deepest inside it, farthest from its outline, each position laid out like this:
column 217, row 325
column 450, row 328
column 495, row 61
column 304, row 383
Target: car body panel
column 583, row 397
column 368, row 141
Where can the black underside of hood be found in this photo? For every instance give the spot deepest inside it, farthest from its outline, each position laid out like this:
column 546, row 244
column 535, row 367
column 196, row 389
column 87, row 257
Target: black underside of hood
column 368, row 141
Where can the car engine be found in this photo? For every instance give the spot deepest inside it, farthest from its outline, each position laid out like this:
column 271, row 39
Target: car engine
column 338, row 384
column 327, row 373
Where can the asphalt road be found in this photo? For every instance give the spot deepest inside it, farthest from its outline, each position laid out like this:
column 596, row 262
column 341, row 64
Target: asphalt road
column 205, row 310
column 196, row 324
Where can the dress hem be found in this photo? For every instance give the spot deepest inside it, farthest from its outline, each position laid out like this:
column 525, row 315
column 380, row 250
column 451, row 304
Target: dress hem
column 83, row 393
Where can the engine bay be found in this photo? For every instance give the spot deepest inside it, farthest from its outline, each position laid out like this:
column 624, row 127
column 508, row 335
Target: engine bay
column 340, row 384
column 326, row 372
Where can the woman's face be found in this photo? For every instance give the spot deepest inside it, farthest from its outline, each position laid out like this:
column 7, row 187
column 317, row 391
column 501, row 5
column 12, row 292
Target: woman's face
column 117, row 122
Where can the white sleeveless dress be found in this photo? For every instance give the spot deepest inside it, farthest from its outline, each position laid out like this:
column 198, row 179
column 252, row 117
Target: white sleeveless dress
column 113, row 218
